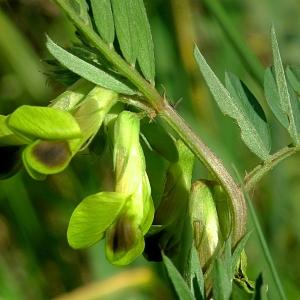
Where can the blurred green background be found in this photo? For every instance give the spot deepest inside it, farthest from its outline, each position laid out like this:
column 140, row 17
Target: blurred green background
column 35, row 259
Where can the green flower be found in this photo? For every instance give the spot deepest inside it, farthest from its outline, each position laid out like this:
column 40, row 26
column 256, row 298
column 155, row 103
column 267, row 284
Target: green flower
column 52, row 136
column 123, row 217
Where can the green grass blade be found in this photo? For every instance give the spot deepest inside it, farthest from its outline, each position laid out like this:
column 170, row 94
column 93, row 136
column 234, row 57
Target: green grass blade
column 265, row 248
column 248, row 58
column 255, row 135
column 178, row 282
column 288, row 102
column 104, row 20
column 86, row 70
column 16, row 51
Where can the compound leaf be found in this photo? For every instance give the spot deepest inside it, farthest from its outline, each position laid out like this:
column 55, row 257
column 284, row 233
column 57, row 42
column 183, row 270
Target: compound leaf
column 86, row 70
column 237, row 106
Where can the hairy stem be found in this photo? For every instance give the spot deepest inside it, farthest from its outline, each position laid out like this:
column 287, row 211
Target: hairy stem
column 213, row 164
column 258, row 172
column 162, row 108
column 151, row 94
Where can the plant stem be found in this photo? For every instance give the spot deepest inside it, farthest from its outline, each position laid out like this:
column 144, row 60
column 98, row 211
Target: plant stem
column 258, row 172
column 161, row 106
column 114, row 58
column 247, row 56
column 213, row 164
column 265, row 248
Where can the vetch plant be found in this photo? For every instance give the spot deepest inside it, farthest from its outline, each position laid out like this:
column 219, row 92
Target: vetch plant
column 197, row 228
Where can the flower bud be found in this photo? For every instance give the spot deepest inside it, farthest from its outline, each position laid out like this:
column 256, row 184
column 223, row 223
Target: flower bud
column 204, row 220
column 125, row 237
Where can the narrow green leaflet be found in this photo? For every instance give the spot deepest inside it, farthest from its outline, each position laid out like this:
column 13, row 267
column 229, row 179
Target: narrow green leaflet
column 197, row 278
column 81, row 8
column 86, row 70
column 125, row 29
column 255, row 129
column 288, row 101
column 104, row 19
column 293, row 76
column 221, row 281
column 272, row 98
column 145, row 55
column 46, row 123
column 238, row 250
column 255, row 136
column 178, row 282
column 92, row 217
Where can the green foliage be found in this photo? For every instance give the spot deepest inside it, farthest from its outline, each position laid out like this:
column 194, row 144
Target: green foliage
column 189, row 227
column 103, row 17
column 272, row 98
column 86, row 70
column 287, row 97
column 179, row 285
column 235, row 103
column 196, row 275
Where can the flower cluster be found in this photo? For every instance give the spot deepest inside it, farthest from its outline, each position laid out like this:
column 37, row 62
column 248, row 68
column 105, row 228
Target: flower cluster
column 123, row 217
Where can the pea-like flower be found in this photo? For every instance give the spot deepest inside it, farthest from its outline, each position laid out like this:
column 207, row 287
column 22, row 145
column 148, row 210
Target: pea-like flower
column 123, row 217
column 51, row 136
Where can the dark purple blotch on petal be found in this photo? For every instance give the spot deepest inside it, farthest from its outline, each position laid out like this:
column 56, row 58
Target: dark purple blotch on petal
column 52, row 153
